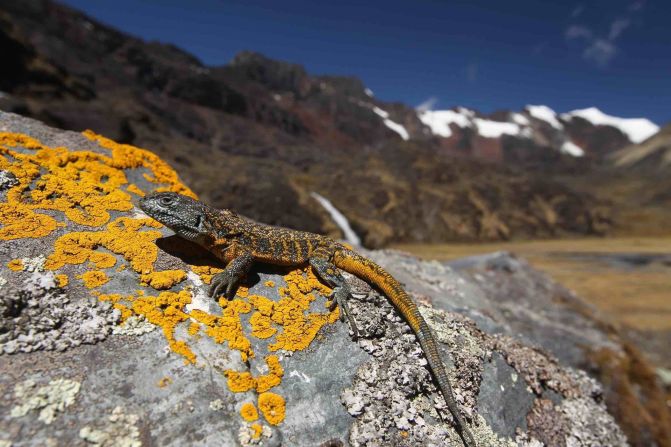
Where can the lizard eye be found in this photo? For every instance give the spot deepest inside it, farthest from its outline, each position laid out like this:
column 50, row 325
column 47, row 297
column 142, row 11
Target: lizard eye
column 165, row 201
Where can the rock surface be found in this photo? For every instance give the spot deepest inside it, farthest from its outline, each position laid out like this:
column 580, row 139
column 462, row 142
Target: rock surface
column 108, row 338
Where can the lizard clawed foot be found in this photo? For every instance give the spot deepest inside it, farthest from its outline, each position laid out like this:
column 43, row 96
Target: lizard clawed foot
column 224, row 283
column 339, row 298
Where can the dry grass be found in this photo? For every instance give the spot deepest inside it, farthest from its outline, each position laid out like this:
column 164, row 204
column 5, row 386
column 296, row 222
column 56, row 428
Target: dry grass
column 637, row 297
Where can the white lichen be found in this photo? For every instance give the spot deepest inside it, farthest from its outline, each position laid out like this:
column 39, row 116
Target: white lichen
column 122, row 431
column 217, row 405
column 49, row 399
column 35, row 264
column 134, row 325
column 247, row 435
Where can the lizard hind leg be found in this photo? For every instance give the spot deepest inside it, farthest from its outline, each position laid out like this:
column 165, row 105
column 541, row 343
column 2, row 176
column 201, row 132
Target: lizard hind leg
column 330, row 275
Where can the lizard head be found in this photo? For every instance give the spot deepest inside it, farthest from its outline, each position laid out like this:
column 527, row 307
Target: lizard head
column 187, row 217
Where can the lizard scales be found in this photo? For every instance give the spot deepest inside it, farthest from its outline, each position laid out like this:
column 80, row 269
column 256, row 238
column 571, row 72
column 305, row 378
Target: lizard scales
column 239, row 242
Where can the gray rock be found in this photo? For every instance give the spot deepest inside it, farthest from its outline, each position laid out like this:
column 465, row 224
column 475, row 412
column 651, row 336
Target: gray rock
column 510, row 347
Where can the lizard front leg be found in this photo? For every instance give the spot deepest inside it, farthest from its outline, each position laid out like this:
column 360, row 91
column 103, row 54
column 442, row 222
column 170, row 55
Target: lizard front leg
column 330, row 275
column 227, row 281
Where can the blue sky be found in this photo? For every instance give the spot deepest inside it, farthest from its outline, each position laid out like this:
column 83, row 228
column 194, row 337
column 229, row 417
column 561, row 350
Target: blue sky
column 482, row 54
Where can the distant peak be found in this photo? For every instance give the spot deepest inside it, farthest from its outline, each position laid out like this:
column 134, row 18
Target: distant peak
column 637, row 129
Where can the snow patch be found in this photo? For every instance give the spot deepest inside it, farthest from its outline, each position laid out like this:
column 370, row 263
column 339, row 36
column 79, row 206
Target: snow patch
column 571, row 148
column 637, row 129
column 520, row 119
column 439, row 120
column 339, row 218
column 544, row 113
column 494, row 129
column 368, row 92
column 396, row 127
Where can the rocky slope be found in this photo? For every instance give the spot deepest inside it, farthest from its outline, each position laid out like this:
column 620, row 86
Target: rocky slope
column 107, row 336
column 260, row 136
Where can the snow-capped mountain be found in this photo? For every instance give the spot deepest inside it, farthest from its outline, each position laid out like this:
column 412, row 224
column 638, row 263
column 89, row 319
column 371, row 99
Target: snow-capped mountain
column 533, row 131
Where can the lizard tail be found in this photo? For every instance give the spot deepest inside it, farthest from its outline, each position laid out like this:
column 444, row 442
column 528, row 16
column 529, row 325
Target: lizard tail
column 369, row 271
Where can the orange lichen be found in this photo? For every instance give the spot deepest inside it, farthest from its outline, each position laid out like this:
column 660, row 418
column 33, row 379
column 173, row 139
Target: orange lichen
column 164, row 382
column 62, row 280
column 299, row 329
column 227, row 327
column 135, row 190
column 248, row 412
column 257, row 430
column 193, row 329
column 94, row 278
column 122, row 237
column 269, row 284
column 274, row 376
column 272, row 407
column 205, row 272
column 18, row 221
column 166, row 311
column 126, row 313
column 15, row 265
column 164, row 279
column 240, row 382
column 127, row 156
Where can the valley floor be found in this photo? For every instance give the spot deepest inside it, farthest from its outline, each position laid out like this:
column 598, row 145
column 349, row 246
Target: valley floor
column 627, row 278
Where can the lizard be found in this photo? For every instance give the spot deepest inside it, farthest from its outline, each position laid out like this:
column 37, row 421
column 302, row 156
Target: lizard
column 239, row 242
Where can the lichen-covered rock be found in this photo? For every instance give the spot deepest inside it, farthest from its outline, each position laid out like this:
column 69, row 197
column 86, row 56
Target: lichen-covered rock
column 97, row 297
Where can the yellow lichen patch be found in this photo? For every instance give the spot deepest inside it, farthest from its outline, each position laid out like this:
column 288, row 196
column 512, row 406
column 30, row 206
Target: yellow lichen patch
column 299, row 329
column 163, row 280
column 206, row 272
column 261, row 326
column 166, row 311
column 227, row 327
column 240, row 382
column 122, row 237
column 126, row 313
column 193, row 329
column 164, row 382
column 269, row 284
column 62, row 280
column 127, row 156
column 135, row 190
column 272, row 407
column 248, row 412
column 257, row 431
column 94, row 278
column 83, row 185
column 15, row 265
column 18, row 221
column 274, row 376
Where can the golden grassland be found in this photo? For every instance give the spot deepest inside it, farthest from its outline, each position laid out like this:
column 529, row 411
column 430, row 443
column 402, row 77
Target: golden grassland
column 639, row 297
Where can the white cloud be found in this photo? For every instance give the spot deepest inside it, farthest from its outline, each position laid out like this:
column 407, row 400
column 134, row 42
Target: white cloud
column 617, row 27
column 601, row 48
column 600, row 51
column 577, row 32
column 427, row 104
